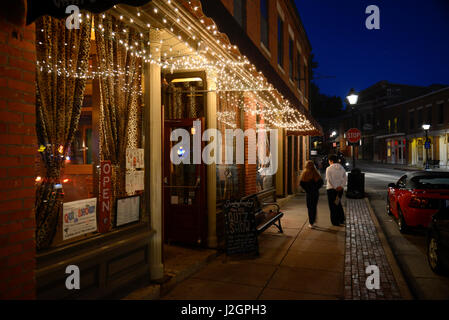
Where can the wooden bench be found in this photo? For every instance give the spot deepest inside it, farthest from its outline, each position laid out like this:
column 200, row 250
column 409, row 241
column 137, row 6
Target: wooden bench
column 267, row 211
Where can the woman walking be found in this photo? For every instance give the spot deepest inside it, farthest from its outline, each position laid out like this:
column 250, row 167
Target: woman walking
column 311, row 182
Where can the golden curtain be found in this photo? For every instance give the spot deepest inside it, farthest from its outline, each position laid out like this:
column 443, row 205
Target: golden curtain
column 62, row 64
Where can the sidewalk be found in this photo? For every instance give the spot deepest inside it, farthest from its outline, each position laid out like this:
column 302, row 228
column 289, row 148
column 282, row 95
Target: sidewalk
column 403, row 167
column 301, row 263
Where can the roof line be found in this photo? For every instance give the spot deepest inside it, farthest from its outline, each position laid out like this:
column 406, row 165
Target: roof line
column 417, row 98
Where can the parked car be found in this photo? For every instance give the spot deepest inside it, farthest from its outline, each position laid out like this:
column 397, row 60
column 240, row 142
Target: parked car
column 341, row 160
column 416, row 197
column 438, row 241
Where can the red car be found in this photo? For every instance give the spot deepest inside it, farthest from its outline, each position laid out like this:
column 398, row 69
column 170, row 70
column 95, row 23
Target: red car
column 416, row 197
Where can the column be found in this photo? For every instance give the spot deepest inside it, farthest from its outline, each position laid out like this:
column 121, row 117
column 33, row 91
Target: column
column 280, row 173
column 211, row 123
column 153, row 152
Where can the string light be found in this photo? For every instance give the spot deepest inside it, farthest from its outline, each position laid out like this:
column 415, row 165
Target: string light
column 235, row 72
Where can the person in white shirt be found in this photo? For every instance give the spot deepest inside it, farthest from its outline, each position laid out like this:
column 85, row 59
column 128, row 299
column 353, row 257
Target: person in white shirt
column 336, row 181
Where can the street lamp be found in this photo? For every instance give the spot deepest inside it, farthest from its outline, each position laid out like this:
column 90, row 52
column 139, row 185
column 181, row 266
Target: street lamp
column 352, row 98
column 426, row 128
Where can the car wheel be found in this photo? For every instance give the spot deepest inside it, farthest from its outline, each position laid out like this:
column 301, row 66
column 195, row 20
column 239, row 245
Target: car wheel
column 433, row 254
column 388, row 206
column 401, row 222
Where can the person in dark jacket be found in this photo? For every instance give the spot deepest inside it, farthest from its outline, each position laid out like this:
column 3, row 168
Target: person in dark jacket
column 311, row 182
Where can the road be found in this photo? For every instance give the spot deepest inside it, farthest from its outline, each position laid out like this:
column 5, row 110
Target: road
column 377, row 177
column 409, row 249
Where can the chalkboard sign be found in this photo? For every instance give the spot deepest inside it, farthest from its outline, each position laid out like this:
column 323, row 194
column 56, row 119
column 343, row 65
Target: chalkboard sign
column 240, row 227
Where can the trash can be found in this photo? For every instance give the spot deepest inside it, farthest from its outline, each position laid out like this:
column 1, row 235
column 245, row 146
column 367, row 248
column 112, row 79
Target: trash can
column 356, row 184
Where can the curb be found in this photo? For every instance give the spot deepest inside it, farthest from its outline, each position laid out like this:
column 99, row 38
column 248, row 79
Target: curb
column 398, row 272
column 410, row 278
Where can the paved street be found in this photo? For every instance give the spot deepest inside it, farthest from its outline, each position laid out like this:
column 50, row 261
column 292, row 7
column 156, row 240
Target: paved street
column 409, row 249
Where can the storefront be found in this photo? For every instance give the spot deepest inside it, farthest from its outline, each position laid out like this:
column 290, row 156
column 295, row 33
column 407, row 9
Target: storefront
column 110, row 99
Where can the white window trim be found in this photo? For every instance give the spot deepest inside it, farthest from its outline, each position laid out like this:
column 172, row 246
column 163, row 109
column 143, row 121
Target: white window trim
column 265, row 49
column 280, row 11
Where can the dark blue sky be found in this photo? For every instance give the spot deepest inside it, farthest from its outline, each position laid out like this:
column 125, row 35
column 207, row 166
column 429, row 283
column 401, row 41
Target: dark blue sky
column 411, row 47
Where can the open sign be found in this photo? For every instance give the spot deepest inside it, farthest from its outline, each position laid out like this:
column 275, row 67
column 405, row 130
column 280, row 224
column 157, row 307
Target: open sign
column 104, row 212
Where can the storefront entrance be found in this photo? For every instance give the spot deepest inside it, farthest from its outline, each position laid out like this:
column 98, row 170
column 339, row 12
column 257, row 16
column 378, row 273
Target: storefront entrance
column 185, row 214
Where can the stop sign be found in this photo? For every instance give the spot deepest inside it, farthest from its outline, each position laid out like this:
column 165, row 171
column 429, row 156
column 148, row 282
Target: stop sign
column 353, row 135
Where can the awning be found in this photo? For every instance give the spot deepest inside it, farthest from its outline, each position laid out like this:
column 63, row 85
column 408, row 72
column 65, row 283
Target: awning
column 57, row 8
column 393, row 135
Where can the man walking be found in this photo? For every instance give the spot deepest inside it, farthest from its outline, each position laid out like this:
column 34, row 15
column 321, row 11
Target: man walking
column 336, row 181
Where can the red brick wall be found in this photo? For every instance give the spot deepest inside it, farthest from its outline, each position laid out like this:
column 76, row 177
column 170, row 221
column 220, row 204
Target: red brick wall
column 17, row 157
column 253, row 31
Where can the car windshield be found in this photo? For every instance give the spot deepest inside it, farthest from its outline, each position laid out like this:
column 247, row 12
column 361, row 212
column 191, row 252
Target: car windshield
column 427, row 182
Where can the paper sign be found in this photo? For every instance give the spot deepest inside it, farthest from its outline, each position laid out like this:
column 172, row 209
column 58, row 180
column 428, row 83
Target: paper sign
column 79, row 218
column 135, row 159
column 128, row 210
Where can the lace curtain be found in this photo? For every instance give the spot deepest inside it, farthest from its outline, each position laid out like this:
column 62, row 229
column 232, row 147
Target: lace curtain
column 62, row 63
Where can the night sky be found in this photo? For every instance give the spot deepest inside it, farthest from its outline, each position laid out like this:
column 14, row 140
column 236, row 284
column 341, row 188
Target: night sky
column 411, row 47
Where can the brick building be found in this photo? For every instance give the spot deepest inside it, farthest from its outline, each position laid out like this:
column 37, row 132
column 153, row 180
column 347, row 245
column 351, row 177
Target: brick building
column 403, row 140
column 372, row 121
column 73, row 120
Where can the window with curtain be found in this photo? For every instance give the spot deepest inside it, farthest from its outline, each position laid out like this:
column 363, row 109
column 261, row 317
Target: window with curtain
column 264, row 23
column 88, row 110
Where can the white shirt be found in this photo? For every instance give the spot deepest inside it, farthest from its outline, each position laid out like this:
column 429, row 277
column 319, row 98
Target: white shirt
column 335, row 176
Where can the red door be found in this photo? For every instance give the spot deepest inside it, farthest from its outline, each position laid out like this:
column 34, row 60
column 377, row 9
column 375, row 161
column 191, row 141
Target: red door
column 184, row 187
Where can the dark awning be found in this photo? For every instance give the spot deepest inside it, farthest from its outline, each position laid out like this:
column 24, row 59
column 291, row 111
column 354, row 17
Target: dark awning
column 56, row 8
column 229, row 26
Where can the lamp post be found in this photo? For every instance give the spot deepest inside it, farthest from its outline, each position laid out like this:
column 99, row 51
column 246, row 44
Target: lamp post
column 352, row 98
column 426, row 128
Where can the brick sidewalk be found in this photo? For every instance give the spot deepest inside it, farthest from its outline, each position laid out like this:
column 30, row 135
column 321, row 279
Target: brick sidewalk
column 364, row 248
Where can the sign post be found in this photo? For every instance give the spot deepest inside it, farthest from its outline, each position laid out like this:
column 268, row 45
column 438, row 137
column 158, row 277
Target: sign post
column 353, row 136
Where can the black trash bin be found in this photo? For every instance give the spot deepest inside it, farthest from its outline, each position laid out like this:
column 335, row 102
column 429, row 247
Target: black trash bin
column 356, row 184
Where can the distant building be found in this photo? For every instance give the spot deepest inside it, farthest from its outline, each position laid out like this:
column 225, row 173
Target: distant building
column 403, row 140
column 371, row 118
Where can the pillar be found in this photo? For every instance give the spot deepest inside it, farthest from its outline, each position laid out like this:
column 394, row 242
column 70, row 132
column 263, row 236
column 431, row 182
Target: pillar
column 280, row 173
column 153, row 152
column 211, row 170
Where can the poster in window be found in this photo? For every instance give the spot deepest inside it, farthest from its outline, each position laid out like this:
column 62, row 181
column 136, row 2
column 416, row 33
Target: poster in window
column 128, row 210
column 79, row 218
column 135, row 159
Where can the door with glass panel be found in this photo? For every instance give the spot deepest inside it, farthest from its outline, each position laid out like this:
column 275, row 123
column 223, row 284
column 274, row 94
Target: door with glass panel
column 184, row 187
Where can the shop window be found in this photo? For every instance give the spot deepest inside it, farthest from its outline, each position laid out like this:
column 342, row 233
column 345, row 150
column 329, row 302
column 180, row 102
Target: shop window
column 264, row 182
column 389, row 126
column 240, row 12
column 280, row 42
column 230, row 177
column 89, row 128
column 264, row 23
column 396, row 125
